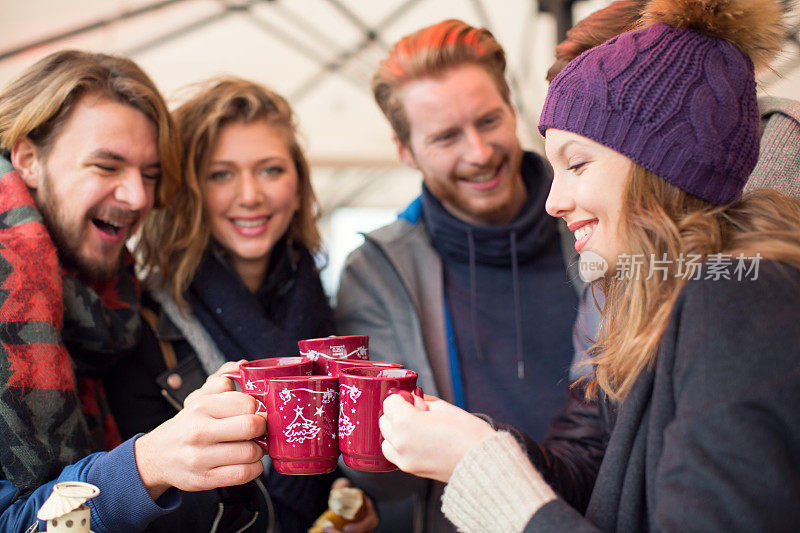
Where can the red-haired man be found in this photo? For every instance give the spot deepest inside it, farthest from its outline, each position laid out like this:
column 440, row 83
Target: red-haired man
column 469, row 287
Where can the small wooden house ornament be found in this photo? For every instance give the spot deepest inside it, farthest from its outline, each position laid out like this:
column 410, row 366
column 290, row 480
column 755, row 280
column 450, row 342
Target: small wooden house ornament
column 65, row 511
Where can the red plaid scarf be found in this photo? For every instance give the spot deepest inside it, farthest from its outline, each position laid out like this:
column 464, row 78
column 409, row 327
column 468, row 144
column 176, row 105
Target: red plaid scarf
column 56, row 336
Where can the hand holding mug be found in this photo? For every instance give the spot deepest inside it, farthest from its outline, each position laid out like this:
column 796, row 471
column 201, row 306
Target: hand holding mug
column 254, row 377
column 217, row 382
column 416, row 398
column 361, row 394
column 206, row 445
column 428, row 443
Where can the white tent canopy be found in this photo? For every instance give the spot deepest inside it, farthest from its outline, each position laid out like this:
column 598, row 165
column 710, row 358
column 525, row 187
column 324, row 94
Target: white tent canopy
column 321, row 55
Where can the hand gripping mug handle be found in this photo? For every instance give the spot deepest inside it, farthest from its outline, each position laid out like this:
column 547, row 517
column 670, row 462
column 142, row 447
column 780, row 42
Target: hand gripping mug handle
column 260, row 409
column 415, row 398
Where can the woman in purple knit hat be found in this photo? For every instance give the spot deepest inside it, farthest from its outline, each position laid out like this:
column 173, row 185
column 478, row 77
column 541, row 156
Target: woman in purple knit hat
column 652, row 136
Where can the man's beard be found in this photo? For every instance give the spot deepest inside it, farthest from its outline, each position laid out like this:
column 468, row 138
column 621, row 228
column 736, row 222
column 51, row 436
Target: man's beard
column 68, row 238
column 495, row 213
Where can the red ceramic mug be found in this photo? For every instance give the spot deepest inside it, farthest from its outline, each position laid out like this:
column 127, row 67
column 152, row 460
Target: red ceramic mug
column 253, row 377
column 361, row 394
column 324, row 349
column 337, row 365
column 302, row 424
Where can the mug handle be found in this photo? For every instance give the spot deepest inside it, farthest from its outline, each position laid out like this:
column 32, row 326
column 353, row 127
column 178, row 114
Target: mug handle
column 260, row 409
column 235, row 376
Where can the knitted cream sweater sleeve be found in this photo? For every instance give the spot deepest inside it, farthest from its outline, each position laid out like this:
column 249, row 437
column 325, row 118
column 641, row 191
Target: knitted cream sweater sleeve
column 495, row 488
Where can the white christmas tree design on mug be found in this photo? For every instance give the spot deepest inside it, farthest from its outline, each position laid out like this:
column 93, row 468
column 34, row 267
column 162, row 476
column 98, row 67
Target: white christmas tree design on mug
column 346, row 427
column 301, row 428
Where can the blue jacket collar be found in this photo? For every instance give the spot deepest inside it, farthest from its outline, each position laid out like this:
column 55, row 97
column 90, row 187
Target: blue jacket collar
column 412, row 213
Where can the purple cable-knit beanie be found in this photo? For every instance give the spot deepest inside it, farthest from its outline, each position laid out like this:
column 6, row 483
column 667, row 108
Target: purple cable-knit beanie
column 680, row 104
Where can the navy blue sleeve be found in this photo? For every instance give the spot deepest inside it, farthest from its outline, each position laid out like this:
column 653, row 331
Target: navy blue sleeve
column 18, row 514
column 122, row 505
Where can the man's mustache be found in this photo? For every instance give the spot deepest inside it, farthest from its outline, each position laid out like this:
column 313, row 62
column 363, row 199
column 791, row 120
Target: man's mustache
column 491, row 166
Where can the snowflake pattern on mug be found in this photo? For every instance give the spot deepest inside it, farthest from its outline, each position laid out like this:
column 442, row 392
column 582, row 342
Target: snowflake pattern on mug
column 313, row 354
column 253, row 385
column 328, row 395
column 285, row 395
column 352, row 391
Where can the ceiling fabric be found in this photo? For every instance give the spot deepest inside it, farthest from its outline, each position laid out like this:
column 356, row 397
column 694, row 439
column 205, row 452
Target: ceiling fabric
column 320, row 54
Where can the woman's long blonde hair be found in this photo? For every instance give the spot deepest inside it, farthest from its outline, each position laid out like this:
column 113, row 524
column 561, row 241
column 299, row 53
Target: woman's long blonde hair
column 175, row 238
column 661, row 221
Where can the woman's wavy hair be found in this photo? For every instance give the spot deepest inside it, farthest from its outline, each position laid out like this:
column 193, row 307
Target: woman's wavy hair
column 661, row 221
column 176, row 237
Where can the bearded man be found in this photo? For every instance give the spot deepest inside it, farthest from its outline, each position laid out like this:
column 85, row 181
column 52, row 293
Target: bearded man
column 470, row 286
column 87, row 149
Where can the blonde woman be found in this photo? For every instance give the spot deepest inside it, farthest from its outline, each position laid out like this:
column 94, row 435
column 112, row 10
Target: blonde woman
column 652, row 136
column 231, row 277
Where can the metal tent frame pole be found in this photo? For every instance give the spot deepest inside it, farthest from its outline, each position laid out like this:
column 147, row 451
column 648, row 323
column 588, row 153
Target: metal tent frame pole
column 92, row 26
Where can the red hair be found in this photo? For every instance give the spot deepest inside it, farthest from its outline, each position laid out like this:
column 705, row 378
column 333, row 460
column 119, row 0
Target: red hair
column 430, row 52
